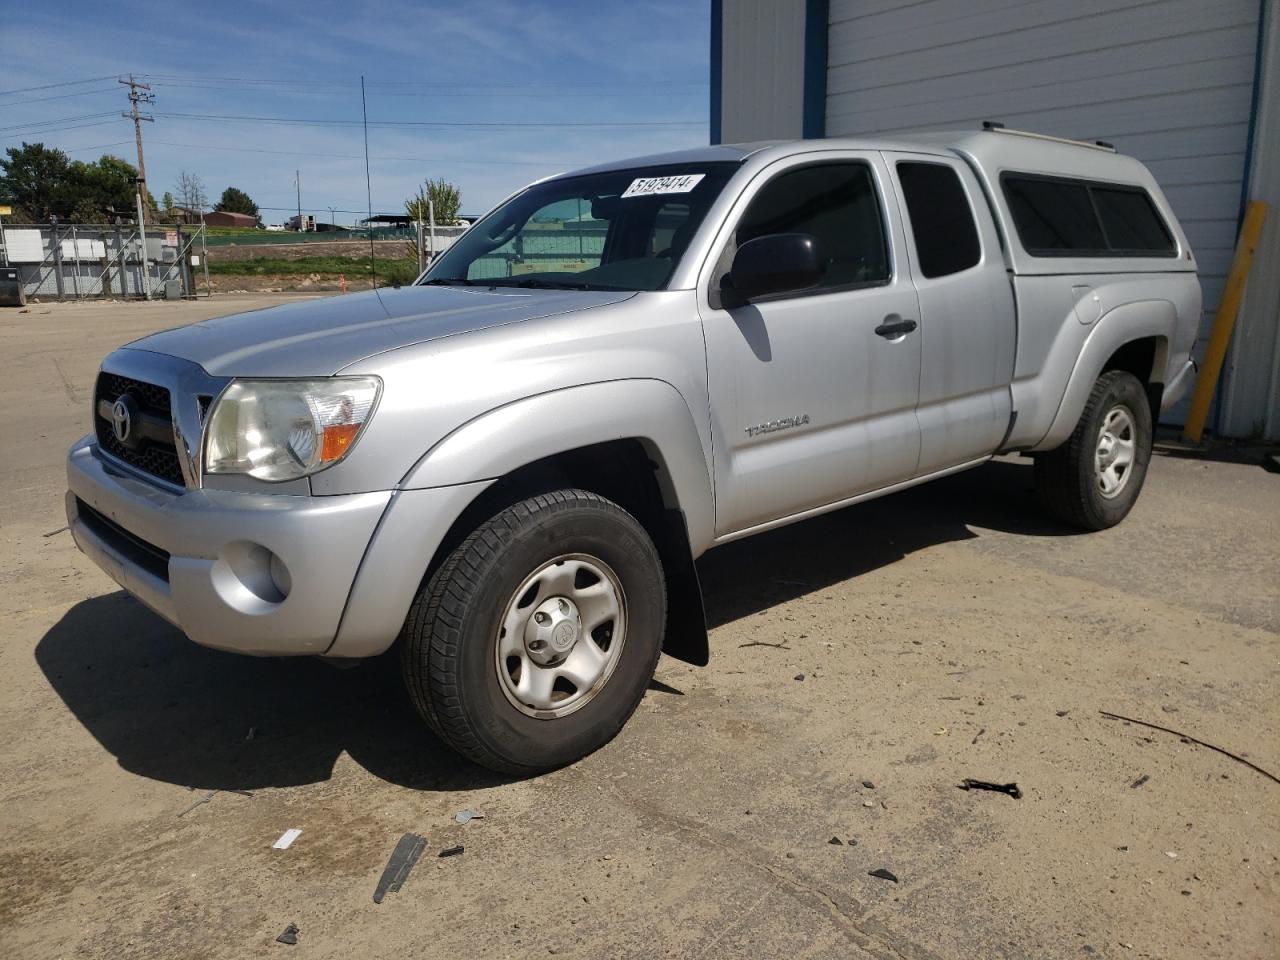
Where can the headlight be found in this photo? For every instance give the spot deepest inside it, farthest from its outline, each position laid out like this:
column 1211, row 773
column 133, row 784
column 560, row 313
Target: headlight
column 285, row 429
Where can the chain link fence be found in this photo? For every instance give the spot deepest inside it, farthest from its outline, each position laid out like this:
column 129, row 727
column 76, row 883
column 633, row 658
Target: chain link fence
column 106, row 261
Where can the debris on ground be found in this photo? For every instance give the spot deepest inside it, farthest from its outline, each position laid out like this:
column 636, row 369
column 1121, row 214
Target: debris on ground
column 836, row 842
column 977, row 735
column 1010, row 788
column 1061, row 713
column 882, row 874
column 408, row 849
column 940, row 732
column 763, row 643
column 54, row 533
column 451, row 851
column 1140, row 781
column 1186, row 736
column 286, row 839
column 868, row 803
column 1171, row 855
column 289, row 936
column 799, row 676
column 213, row 793
column 466, row 816
column 253, row 732
column 868, row 784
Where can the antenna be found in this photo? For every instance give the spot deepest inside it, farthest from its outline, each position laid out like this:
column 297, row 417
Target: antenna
column 368, row 190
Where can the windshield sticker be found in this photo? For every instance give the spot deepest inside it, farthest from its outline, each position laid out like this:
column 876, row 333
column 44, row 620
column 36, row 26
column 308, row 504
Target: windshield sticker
column 650, row 186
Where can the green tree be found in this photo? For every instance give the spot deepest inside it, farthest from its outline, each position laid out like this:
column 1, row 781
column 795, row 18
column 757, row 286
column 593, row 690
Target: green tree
column 44, row 183
column 446, row 199
column 166, row 205
column 237, row 201
column 38, row 180
column 104, row 189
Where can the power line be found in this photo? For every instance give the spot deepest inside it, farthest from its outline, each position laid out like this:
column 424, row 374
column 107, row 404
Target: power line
column 475, row 124
column 424, row 92
column 50, row 86
column 355, row 156
column 350, row 86
column 47, row 123
column 58, row 96
column 21, row 135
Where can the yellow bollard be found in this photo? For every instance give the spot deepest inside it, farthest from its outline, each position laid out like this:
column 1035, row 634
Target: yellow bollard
column 1224, row 323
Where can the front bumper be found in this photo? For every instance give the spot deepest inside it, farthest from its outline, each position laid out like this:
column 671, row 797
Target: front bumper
column 202, row 558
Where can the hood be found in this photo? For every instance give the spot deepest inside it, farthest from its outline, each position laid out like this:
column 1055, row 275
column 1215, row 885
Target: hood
column 314, row 338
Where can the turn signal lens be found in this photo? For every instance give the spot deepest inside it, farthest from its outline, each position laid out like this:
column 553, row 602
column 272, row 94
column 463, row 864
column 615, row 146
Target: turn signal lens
column 336, row 441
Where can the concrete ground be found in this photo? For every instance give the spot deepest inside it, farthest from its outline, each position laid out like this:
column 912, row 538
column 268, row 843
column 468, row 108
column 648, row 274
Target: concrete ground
column 947, row 632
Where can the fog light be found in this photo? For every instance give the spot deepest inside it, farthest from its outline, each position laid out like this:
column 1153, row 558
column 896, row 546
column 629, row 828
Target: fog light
column 248, row 575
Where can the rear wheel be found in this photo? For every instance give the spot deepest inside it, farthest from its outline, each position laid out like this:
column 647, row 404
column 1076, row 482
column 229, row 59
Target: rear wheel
column 534, row 641
column 1093, row 480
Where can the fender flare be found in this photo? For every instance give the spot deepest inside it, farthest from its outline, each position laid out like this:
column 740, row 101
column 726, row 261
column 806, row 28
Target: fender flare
column 1115, row 328
column 511, row 436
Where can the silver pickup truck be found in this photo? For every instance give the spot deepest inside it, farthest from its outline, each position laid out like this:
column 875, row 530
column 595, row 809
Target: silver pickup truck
column 508, row 468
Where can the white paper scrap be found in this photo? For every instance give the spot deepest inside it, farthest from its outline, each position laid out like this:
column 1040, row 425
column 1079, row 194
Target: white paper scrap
column 286, row 838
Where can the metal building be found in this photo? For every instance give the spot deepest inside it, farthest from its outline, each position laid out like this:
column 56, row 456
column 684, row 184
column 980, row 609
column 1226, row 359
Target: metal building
column 1190, row 88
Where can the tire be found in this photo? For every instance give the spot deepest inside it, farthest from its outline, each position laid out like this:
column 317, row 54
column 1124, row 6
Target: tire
column 1073, row 480
column 487, row 630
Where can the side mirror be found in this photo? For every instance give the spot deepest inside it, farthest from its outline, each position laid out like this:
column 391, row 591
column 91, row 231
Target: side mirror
column 774, row 263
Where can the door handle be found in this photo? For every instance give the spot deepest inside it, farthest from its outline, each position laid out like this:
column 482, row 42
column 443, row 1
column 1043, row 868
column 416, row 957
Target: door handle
column 894, row 327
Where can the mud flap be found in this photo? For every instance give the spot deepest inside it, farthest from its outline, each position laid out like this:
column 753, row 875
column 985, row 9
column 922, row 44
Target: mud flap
column 686, row 631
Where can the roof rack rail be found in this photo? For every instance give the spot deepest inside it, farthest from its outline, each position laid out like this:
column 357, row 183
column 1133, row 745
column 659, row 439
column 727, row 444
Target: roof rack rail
column 995, row 126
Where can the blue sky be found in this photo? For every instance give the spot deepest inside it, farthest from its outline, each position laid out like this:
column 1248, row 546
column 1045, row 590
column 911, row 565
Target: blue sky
column 640, row 64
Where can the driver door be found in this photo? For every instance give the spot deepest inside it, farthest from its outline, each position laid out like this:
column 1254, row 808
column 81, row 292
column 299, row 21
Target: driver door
column 813, row 391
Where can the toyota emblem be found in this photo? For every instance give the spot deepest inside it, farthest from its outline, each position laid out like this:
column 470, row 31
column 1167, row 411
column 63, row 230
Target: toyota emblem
column 121, row 419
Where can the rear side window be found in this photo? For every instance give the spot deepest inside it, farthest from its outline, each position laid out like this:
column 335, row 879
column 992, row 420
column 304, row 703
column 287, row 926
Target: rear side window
column 1058, row 217
column 941, row 219
column 1053, row 216
column 837, row 204
column 1131, row 223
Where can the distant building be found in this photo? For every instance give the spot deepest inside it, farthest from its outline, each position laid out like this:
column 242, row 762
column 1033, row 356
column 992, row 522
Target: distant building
column 182, row 214
column 306, row 223
column 225, row 218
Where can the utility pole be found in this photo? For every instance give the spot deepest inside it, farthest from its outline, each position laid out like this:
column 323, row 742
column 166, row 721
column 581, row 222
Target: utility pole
column 297, row 182
column 134, row 99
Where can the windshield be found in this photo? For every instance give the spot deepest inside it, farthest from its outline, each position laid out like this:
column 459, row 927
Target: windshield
column 620, row 230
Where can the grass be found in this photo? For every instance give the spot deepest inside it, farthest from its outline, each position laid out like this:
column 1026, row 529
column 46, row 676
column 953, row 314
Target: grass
column 400, row 270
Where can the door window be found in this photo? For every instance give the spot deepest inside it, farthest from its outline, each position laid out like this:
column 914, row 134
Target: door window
column 946, row 237
column 837, row 204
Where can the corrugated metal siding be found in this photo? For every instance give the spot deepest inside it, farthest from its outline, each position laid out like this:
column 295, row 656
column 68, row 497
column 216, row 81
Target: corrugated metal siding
column 762, row 52
column 1251, row 380
column 1167, row 81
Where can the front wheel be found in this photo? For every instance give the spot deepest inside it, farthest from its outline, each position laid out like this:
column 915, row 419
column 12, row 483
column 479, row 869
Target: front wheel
column 1093, row 480
column 534, row 641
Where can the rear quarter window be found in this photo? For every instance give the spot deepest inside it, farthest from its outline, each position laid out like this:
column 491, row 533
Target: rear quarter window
column 946, row 237
column 1064, row 217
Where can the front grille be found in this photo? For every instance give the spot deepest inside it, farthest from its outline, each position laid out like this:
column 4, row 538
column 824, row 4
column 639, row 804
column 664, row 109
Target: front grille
column 157, row 456
column 146, row 555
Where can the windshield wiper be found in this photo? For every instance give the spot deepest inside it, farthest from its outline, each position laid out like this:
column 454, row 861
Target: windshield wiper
column 537, row 283
column 450, row 282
